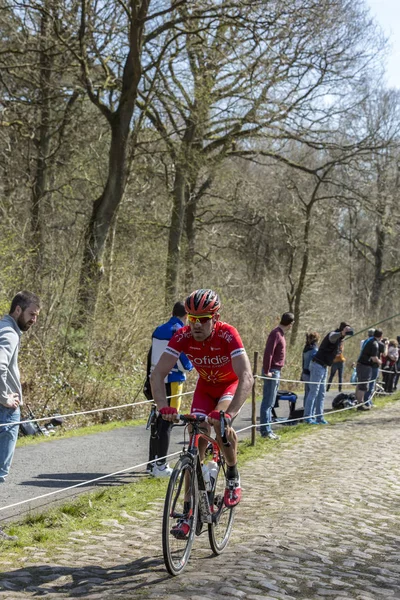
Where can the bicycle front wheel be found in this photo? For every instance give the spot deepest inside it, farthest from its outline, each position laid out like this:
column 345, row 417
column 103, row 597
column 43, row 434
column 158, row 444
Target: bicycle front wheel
column 219, row 531
column 181, row 507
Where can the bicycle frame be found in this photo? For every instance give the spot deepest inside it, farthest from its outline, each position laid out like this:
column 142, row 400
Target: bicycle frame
column 205, row 499
column 189, row 502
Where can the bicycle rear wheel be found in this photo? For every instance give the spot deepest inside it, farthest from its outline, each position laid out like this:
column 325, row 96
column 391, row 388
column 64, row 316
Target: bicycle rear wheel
column 177, row 550
column 219, row 531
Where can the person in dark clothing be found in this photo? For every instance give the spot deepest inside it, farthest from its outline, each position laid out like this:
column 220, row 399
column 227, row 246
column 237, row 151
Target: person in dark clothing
column 368, row 358
column 274, row 360
column 161, row 429
column 383, row 349
column 337, row 367
column 318, row 371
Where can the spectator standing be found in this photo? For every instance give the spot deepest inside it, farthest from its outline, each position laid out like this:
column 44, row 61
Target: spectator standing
column 309, row 351
column 274, row 360
column 161, row 429
column 397, row 374
column 24, row 311
column 318, row 371
column 369, row 357
column 369, row 336
column 337, row 367
column 389, row 366
column 383, row 348
column 353, row 376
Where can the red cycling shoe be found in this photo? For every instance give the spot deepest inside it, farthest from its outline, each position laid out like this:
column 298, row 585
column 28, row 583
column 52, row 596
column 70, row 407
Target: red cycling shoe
column 233, row 492
column 181, row 530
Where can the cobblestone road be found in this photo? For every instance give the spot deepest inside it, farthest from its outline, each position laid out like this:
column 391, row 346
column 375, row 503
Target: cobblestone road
column 319, row 519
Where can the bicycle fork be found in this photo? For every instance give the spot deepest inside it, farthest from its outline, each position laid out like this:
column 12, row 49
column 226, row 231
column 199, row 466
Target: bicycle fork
column 204, row 496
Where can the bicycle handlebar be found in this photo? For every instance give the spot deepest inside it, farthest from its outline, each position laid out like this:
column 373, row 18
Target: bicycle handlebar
column 194, row 418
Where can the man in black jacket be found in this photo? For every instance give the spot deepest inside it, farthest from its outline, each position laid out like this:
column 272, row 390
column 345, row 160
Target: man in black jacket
column 318, row 371
column 368, row 361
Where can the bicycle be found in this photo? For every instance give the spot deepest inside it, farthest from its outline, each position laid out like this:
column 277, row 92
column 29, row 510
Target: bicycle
column 187, row 498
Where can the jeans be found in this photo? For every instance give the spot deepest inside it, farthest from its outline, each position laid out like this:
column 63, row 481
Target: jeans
column 268, row 401
column 8, row 438
column 336, row 367
column 371, row 386
column 315, row 398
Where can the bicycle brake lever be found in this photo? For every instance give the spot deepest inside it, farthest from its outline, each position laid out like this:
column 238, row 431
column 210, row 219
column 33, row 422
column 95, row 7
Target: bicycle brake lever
column 223, row 429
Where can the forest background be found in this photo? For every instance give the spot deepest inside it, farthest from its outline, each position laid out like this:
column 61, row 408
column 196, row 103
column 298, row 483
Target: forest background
column 149, row 148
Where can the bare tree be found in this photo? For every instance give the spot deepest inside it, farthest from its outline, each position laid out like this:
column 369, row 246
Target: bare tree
column 373, row 187
column 257, row 81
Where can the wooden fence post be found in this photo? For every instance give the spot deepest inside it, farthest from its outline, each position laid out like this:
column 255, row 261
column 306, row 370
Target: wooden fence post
column 253, row 401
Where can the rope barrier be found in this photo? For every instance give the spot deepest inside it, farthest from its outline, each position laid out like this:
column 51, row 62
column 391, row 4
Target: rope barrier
column 71, row 487
column 311, row 382
column 88, row 412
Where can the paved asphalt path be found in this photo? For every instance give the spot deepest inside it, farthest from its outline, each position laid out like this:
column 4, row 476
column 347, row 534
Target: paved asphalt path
column 60, row 463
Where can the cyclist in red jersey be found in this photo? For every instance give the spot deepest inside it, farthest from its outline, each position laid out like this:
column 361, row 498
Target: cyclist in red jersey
column 225, row 378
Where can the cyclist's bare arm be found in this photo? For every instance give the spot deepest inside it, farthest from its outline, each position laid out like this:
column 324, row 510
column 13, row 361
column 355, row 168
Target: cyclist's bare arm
column 241, row 366
column 163, row 367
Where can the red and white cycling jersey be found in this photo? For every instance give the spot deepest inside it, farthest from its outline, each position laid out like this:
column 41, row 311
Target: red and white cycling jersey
column 212, row 358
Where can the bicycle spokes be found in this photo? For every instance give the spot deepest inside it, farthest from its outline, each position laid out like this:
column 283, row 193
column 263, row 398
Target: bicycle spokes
column 180, row 516
column 220, row 529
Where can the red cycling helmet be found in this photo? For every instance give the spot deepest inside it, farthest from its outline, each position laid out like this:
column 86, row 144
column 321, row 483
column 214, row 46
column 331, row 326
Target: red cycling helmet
column 202, row 302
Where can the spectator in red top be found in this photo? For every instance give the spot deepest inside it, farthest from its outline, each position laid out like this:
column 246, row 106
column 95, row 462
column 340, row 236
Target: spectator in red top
column 274, row 360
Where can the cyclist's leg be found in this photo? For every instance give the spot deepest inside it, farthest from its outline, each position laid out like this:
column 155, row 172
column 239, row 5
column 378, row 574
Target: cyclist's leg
column 229, row 452
column 233, row 490
column 203, row 403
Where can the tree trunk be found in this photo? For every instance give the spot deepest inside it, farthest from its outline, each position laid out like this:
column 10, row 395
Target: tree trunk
column 105, row 207
column 175, row 236
column 303, row 274
column 103, row 212
column 40, row 183
column 376, row 288
column 190, row 241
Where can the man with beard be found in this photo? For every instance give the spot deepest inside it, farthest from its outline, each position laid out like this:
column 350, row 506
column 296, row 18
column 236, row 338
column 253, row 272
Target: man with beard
column 24, row 311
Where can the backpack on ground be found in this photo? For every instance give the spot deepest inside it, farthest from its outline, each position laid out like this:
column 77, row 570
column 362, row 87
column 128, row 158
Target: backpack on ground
column 343, row 400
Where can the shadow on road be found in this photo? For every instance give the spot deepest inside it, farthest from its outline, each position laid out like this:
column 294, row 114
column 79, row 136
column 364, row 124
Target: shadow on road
column 84, row 581
column 61, row 480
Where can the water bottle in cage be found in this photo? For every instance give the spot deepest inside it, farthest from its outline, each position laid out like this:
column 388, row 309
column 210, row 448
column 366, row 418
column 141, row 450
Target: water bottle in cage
column 206, row 477
column 213, row 472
